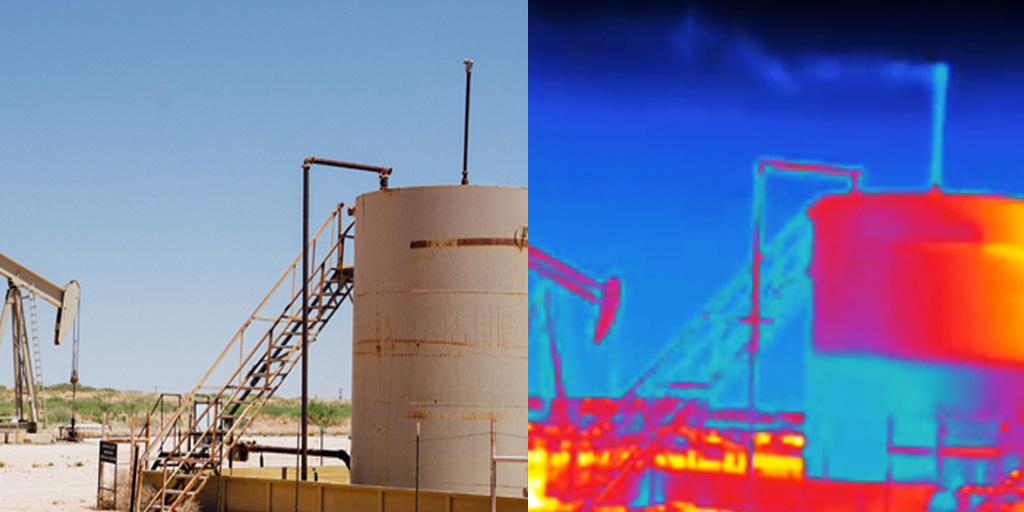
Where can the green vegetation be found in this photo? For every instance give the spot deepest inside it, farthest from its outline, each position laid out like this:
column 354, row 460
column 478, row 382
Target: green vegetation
column 94, row 405
column 328, row 414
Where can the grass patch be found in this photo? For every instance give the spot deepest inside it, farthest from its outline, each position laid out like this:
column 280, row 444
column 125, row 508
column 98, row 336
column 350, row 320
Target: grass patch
column 96, row 405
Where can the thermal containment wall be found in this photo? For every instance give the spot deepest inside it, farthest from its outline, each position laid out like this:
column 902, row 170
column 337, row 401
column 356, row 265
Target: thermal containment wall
column 440, row 337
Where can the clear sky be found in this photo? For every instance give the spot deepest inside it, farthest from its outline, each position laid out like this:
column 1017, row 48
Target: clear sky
column 152, row 152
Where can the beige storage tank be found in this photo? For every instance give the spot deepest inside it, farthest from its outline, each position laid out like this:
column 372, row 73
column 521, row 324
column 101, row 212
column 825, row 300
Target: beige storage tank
column 440, row 337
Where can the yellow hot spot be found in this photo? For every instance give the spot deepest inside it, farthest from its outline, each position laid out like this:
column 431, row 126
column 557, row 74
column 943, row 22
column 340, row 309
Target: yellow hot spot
column 685, row 506
column 782, row 466
column 536, row 481
column 546, row 504
column 536, row 456
column 795, row 440
column 585, row 459
column 713, row 438
column 710, row 465
column 560, row 459
column 730, row 463
column 762, row 438
column 1003, row 250
column 739, row 464
column 675, row 461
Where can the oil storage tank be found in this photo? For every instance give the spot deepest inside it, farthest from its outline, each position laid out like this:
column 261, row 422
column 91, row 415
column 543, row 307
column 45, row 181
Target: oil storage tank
column 916, row 349
column 440, row 337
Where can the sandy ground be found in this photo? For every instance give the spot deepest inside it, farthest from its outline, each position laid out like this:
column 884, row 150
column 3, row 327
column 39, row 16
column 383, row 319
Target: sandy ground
column 62, row 476
column 48, row 477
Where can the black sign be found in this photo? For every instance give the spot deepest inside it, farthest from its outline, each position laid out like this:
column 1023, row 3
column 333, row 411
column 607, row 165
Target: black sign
column 108, row 452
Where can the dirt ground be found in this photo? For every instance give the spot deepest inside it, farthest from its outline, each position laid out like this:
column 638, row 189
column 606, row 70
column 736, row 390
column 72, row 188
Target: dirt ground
column 48, row 477
column 62, row 476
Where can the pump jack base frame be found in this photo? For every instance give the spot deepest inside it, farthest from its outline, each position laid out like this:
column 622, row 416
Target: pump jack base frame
column 29, row 427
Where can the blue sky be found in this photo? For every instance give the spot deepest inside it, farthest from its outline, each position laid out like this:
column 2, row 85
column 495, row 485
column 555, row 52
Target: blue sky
column 152, row 152
column 644, row 133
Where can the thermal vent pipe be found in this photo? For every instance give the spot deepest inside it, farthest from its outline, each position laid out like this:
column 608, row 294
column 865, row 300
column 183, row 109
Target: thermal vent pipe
column 383, row 173
column 940, row 83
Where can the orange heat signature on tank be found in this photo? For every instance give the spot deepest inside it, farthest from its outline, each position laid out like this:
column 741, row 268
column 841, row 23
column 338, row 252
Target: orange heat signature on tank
column 938, row 275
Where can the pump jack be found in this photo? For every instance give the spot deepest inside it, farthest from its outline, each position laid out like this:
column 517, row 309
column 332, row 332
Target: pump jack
column 21, row 280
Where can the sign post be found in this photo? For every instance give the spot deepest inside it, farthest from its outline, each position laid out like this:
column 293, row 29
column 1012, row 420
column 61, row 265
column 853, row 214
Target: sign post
column 108, row 455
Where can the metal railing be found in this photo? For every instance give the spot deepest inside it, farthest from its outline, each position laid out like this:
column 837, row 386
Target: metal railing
column 244, row 393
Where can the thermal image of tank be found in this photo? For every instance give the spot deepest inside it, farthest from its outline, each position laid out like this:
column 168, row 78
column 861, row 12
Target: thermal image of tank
column 912, row 314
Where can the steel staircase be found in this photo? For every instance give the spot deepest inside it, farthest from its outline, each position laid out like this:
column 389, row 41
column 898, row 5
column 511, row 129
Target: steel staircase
column 190, row 445
column 712, row 347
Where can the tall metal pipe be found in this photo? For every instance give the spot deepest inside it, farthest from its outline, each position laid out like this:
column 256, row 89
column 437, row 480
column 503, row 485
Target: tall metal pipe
column 383, row 173
column 755, row 319
column 305, row 317
column 494, row 467
column 417, row 506
column 465, row 129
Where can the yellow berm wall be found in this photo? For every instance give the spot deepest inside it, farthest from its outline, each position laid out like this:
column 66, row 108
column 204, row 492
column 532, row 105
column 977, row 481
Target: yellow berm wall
column 263, row 490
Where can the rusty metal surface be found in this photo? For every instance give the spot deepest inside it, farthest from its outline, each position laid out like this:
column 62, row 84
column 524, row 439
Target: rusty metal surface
column 440, row 334
column 465, row 242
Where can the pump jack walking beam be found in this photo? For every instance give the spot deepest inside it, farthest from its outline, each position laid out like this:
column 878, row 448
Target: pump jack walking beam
column 64, row 299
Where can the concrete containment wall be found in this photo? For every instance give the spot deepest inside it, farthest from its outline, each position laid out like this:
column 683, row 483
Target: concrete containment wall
column 263, row 495
column 440, row 337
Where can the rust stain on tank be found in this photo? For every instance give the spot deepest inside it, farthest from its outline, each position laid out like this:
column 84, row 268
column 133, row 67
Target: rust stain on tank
column 418, row 342
column 465, row 242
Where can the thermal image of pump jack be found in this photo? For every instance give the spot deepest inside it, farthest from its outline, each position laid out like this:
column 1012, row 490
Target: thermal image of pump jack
column 605, row 295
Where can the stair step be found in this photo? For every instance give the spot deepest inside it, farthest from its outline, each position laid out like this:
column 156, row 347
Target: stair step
column 240, row 403
column 189, row 476
column 262, row 375
column 312, row 333
column 192, row 460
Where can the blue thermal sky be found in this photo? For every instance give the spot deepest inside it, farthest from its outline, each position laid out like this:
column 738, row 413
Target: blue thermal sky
column 152, row 152
column 643, row 140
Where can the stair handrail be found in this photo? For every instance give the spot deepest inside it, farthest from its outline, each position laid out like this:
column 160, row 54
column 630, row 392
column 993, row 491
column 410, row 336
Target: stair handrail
column 335, row 216
column 320, row 276
column 780, row 243
column 212, row 430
